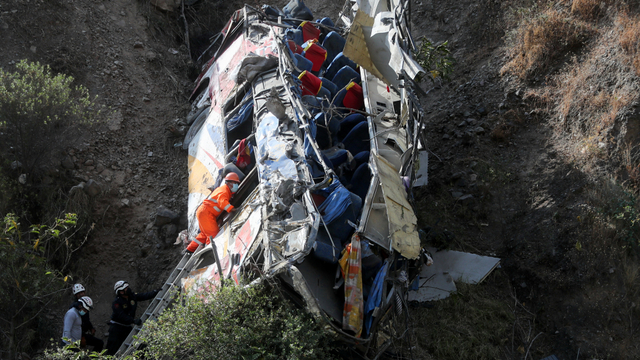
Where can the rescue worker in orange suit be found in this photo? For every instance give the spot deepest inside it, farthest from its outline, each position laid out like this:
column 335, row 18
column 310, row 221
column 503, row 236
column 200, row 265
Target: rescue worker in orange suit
column 211, row 208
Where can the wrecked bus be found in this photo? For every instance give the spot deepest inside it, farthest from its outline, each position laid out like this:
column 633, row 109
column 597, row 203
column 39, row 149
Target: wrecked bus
column 322, row 125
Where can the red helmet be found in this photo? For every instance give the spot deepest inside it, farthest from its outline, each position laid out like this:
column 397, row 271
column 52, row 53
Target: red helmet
column 233, row 177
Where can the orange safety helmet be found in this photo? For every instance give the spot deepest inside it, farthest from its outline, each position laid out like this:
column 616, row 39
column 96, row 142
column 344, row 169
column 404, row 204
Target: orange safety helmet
column 233, row 177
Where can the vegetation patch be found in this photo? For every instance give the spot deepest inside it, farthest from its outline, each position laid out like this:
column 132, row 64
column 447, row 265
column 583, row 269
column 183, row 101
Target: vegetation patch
column 543, row 40
column 471, row 324
column 237, row 323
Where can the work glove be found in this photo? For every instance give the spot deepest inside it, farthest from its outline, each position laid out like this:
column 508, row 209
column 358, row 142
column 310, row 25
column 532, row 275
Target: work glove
column 137, row 322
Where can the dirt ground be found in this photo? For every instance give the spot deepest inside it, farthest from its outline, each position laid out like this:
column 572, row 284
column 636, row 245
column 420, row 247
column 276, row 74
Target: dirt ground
column 529, row 206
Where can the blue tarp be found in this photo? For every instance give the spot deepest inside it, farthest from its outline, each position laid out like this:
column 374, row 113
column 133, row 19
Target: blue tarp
column 375, row 297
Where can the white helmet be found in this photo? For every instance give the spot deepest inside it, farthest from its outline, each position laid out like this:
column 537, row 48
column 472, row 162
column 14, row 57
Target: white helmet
column 78, row 288
column 86, row 302
column 120, row 285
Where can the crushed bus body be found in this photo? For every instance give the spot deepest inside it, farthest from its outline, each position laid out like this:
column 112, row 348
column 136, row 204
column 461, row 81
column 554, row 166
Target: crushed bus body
column 326, row 120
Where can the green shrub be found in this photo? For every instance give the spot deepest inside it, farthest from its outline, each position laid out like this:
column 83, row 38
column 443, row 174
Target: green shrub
column 29, row 283
column 436, row 60
column 236, row 323
column 40, row 114
column 37, row 110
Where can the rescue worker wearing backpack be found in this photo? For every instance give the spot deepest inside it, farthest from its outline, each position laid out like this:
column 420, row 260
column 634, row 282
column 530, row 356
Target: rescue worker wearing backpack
column 208, row 212
column 88, row 331
column 124, row 314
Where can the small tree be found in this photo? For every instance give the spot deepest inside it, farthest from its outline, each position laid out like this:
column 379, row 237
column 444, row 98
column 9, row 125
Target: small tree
column 37, row 110
column 436, row 60
column 29, row 283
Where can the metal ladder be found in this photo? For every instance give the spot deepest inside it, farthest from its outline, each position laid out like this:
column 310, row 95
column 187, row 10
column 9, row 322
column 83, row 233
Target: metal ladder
column 158, row 304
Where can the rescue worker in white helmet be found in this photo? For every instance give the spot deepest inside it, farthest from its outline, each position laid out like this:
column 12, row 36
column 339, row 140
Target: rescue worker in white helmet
column 72, row 329
column 88, row 331
column 124, row 314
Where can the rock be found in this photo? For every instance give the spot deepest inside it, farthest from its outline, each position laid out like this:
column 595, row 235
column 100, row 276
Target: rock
column 125, row 202
column 33, row 49
column 168, row 232
column 88, row 163
column 150, row 55
column 481, row 110
column 446, row 137
column 456, row 194
column 16, row 165
column 466, row 199
column 138, row 45
column 99, row 168
column 114, row 123
column 119, row 178
column 77, row 188
column 479, row 130
column 473, row 178
column 166, row 5
column 150, row 154
column 457, row 176
column 92, row 188
column 462, row 123
column 67, row 163
column 165, row 216
column 22, row 179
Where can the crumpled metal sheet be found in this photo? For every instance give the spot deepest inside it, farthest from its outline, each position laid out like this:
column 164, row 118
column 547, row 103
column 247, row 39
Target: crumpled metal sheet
column 272, row 155
column 373, row 44
column 301, row 287
column 403, row 228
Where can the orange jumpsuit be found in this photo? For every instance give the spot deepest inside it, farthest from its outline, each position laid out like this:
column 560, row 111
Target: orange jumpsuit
column 207, row 214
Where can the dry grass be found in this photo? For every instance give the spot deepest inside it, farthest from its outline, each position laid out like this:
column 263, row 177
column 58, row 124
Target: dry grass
column 543, row 40
column 630, row 39
column 591, row 96
column 589, row 9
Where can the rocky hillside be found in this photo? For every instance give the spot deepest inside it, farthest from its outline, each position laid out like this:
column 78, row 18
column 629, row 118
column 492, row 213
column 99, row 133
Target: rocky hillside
column 525, row 163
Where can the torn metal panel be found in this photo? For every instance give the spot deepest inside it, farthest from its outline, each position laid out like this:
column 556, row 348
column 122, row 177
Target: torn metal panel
column 402, row 220
column 356, row 48
column 422, row 173
column 373, row 43
column 232, row 243
column 437, row 281
column 465, row 267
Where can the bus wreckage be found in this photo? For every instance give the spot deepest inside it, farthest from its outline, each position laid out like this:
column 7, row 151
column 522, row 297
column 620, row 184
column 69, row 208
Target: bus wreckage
column 322, row 125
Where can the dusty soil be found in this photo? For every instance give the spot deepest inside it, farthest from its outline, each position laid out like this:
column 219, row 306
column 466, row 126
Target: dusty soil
column 528, row 204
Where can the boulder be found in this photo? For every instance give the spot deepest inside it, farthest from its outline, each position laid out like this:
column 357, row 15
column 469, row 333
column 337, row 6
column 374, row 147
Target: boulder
column 165, row 216
column 166, row 5
column 92, row 188
column 67, row 163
